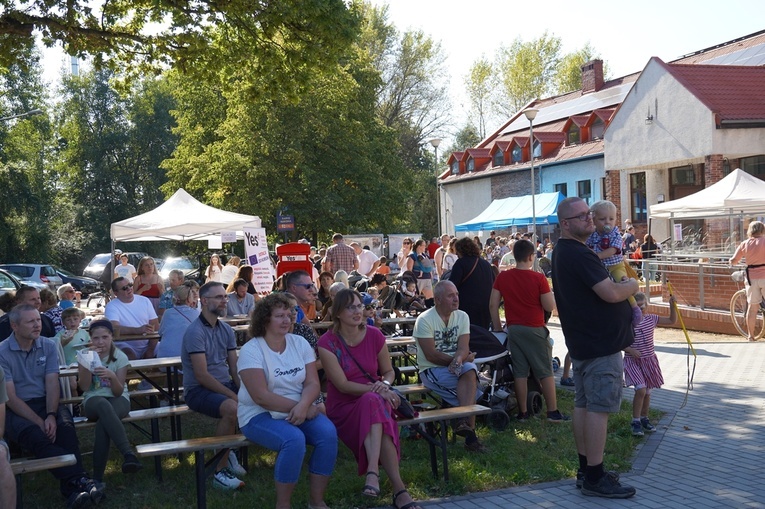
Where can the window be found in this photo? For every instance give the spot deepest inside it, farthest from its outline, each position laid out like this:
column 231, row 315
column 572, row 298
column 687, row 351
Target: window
column 753, row 165
column 584, row 190
column 638, row 197
column 597, row 128
column 517, row 154
column 499, row 158
column 682, row 176
column 572, row 137
column 470, row 165
column 537, row 149
column 455, row 167
column 561, row 188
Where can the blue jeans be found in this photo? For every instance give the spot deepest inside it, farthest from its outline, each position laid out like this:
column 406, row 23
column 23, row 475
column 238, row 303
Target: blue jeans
column 289, row 442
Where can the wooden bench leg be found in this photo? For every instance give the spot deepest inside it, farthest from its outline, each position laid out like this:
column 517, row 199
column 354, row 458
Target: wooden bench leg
column 199, row 468
column 19, row 501
column 444, row 458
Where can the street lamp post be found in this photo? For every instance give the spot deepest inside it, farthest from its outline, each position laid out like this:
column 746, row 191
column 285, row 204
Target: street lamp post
column 531, row 114
column 436, row 142
column 22, row 115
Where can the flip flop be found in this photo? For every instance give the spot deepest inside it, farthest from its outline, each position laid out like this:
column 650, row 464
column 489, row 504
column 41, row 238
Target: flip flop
column 369, row 490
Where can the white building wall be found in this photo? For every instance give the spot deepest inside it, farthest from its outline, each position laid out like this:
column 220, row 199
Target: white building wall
column 463, row 201
column 682, row 128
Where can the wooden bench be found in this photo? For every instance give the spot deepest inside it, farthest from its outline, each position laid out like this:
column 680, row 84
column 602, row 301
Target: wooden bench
column 436, row 430
column 26, row 465
column 154, row 415
column 198, row 446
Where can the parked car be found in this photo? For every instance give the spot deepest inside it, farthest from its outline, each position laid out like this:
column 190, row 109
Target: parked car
column 8, row 282
column 86, row 285
column 95, row 267
column 44, row 274
column 189, row 266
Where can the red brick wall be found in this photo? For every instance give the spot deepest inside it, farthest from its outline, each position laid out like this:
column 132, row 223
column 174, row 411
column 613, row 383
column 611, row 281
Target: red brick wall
column 613, row 194
column 717, row 283
column 592, row 76
column 713, row 169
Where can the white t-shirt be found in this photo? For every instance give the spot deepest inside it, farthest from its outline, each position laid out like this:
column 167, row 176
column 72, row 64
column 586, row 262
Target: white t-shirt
column 448, row 261
column 228, row 273
column 125, row 271
column 366, row 260
column 430, row 325
column 287, row 371
column 135, row 314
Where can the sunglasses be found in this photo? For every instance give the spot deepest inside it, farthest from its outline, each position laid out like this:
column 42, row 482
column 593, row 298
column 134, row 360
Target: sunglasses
column 407, row 243
column 129, row 285
column 370, row 306
column 307, row 286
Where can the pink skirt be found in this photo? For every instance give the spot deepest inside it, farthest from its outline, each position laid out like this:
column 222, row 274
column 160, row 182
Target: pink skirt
column 643, row 372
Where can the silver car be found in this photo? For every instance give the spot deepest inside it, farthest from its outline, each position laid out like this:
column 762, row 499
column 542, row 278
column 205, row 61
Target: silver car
column 31, row 273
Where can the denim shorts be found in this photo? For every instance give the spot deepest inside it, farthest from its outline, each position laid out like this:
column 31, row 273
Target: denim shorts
column 599, row 383
column 203, row 400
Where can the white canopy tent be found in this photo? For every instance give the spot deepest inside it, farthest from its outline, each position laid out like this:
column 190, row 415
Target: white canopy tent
column 182, row 217
column 738, row 193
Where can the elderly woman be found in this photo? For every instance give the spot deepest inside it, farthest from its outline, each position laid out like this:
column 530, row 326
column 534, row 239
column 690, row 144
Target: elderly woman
column 359, row 399
column 67, row 296
column 177, row 319
column 276, row 410
column 422, row 267
column 473, row 277
column 753, row 251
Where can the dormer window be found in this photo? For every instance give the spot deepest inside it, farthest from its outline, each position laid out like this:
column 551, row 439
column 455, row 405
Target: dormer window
column 499, row 158
column 537, row 152
column 573, row 135
column 455, row 167
column 597, row 129
column 470, row 166
column 517, row 154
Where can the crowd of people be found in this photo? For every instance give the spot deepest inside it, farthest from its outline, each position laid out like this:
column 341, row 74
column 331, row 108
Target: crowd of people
column 271, row 389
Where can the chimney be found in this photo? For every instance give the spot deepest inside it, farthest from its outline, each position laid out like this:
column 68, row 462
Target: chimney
column 592, row 76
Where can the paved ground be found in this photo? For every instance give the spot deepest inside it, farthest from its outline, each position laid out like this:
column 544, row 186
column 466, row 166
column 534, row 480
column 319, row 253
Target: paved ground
column 708, row 454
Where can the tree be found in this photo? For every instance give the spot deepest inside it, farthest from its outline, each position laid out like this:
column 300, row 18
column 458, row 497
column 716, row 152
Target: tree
column 526, row 71
column 568, row 76
column 479, row 85
column 152, row 35
column 111, row 146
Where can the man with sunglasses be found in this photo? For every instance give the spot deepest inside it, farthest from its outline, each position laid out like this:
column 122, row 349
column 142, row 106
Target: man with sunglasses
column 132, row 314
column 597, row 323
column 299, row 284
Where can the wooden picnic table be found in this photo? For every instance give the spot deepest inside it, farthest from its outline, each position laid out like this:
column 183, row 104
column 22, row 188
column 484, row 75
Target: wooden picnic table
column 236, row 320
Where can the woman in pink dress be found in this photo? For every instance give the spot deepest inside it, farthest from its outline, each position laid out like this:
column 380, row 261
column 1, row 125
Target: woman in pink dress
column 362, row 408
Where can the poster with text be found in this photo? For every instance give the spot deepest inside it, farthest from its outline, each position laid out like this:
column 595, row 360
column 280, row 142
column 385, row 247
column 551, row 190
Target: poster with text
column 256, row 254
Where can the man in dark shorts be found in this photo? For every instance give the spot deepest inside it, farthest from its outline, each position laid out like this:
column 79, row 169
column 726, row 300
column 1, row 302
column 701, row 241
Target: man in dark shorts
column 596, row 321
column 210, row 379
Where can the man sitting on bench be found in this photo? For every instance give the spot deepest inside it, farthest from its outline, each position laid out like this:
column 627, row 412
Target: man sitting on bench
column 34, row 419
column 210, row 378
column 444, row 358
column 7, row 480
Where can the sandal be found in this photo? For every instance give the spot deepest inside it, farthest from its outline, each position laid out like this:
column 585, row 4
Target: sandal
column 410, row 505
column 371, row 491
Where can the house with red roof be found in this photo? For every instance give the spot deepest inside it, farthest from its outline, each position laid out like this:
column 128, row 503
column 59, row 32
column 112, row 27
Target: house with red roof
column 641, row 139
column 680, row 129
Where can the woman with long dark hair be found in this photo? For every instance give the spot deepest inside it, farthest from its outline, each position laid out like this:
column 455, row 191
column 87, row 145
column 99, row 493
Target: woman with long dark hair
column 473, row 277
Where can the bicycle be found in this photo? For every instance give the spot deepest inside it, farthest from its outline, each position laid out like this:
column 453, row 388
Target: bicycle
column 739, row 307
column 100, row 298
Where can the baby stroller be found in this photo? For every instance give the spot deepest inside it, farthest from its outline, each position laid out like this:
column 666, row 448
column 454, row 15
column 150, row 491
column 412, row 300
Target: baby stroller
column 494, row 363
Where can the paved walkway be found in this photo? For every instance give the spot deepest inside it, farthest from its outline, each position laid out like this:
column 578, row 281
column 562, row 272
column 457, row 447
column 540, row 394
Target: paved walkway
column 708, row 454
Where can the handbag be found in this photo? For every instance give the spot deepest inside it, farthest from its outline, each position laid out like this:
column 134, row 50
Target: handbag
column 405, row 410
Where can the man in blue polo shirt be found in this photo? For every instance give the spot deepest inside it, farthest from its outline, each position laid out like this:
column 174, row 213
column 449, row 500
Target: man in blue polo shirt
column 210, row 379
column 34, row 419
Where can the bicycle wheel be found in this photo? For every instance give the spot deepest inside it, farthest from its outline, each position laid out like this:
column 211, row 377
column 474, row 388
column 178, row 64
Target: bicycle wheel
column 97, row 299
column 738, row 308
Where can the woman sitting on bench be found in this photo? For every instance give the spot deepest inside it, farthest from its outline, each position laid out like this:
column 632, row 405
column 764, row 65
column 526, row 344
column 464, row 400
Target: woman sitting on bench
column 362, row 410
column 276, row 401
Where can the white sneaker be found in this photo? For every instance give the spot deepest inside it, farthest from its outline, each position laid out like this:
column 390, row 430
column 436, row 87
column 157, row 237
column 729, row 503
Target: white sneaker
column 234, row 466
column 225, row 480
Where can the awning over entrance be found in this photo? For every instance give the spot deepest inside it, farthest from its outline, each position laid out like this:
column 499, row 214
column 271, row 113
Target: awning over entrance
column 515, row 211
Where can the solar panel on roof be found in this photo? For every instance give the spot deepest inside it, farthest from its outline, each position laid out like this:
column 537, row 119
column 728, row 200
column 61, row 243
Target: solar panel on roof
column 753, row 56
column 607, row 98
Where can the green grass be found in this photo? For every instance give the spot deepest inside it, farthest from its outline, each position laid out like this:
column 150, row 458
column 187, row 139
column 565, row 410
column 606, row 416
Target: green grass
column 530, row 452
